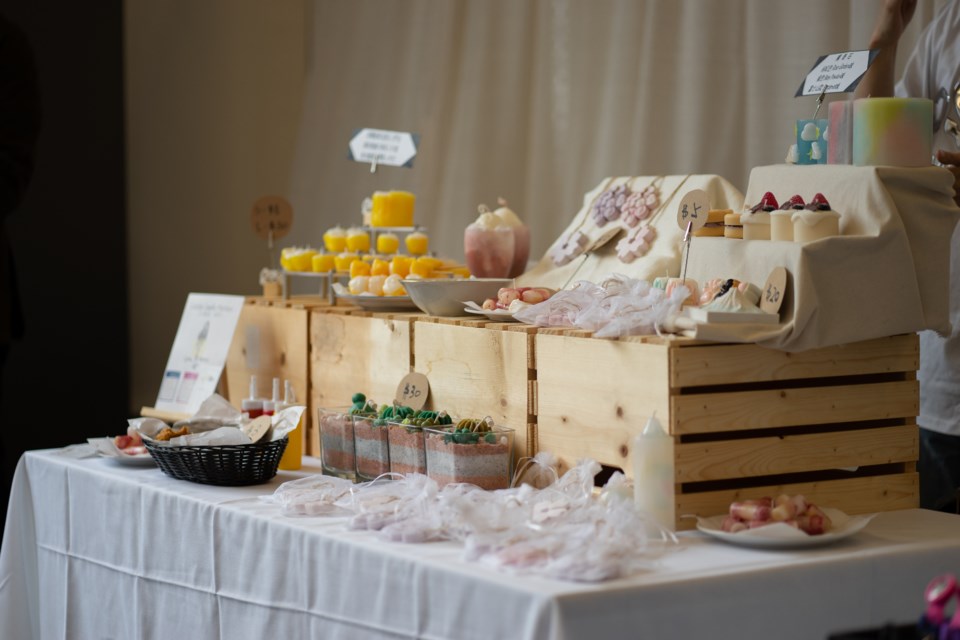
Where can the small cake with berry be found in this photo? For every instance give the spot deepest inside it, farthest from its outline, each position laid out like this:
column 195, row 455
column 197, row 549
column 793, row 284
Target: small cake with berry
column 781, row 220
column 815, row 222
column 756, row 221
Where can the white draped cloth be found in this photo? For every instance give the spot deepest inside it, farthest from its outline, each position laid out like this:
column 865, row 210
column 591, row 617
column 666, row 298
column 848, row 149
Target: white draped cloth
column 93, row 549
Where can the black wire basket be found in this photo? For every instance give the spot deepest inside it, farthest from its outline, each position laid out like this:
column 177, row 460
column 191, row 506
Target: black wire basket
column 232, row 465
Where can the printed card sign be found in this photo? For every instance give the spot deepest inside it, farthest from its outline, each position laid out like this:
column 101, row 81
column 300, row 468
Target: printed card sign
column 380, row 146
column 837, row 72
column 199, row 351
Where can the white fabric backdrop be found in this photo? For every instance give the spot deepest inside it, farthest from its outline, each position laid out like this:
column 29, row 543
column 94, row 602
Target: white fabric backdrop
column 537, row 100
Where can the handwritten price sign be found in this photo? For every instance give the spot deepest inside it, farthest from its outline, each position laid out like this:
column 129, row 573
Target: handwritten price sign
column 774, row 290
column 413, row 390
column 693, row 209
column 271, row 217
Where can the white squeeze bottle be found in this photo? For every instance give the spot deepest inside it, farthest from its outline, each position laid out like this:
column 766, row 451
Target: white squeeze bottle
column 253, row 405
column 270, row 406
column 292, row 458
column 653, row 480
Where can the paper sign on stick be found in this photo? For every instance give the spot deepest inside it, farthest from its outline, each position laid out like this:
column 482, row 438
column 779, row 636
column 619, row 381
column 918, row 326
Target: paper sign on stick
column 199, row 351
column 837, row 72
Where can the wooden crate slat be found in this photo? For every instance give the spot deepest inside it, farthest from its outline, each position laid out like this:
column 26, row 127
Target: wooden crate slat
column 750, row 457
column 721, row 364
column 357, row 353
column 786, row 407
column 475, row 372
column 852, row 496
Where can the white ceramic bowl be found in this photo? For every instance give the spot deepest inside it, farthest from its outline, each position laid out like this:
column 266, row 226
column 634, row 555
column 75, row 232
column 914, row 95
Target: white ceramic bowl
column 447, row 297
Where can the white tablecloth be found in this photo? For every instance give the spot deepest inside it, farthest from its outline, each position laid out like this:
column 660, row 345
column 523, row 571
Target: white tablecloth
column 98, row 550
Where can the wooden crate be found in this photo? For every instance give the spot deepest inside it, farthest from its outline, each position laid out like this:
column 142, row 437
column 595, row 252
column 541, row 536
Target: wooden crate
column 746, row 421
column 271, row 341
column 479, row 368
column 353, row 350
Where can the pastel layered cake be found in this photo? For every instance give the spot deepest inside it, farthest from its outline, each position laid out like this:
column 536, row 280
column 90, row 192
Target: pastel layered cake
column 816, row 221
column 894, row 132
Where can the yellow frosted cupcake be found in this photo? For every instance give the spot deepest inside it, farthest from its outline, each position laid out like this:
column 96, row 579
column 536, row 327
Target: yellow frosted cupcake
column 322, row 262
column 417, row 243
column 342, row 261
column 335, row 239
column 387, row 243
column 358, row 240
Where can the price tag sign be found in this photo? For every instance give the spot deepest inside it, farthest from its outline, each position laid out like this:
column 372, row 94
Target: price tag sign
column 271, row 213
column 837, row 72
column 774, row 291
column 413, row 390
column 257, row 428
column 693, row 209
column 380, row 146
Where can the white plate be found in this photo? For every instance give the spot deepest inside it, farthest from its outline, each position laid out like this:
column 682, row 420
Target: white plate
column 782, row 536
column 106, row 449
column 379, row 303
column 500, row 315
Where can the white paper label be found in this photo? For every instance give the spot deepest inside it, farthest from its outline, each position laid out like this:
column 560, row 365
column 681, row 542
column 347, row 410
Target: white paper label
column 837, row 72
column 393, row 148
column 199, row 351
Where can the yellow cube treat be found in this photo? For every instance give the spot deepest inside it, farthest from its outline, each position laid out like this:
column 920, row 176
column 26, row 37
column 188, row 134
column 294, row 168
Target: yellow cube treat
column 359, row 268
column 380, row 268
column 387, row 243
column 417, row 243
column 322, row 262
column 400, row 265
column 335, row 239
column 358, row 240
column 342, row 261
column 460, row 272
column 422, row 268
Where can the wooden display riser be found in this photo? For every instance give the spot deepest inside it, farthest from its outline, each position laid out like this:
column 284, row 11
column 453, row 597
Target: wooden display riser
column 272, row 341
column 746, row 421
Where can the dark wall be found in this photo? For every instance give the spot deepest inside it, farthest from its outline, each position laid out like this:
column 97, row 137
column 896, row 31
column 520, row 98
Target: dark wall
column 66, row 379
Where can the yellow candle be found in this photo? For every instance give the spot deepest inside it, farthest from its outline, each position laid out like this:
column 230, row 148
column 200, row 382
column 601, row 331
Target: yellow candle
column 358, row 240
column 402, row 208
column 323, row 262
column 392, row 209
column 387, row 243
column 342, row 261
column 378, row 215
column 417, row 243
column 335, row 240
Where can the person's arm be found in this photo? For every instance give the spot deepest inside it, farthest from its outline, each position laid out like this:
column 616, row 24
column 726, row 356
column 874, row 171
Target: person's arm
column 893, row 19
